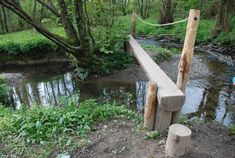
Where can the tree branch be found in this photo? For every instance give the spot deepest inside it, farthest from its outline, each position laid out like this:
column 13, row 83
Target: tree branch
column 17, row 9
column 49, row 7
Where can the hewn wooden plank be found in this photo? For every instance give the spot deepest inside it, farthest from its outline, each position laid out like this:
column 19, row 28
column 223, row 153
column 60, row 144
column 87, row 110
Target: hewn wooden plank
column 169, row 96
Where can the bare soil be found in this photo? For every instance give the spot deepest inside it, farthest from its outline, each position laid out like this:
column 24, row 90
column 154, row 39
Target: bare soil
column 120, row 138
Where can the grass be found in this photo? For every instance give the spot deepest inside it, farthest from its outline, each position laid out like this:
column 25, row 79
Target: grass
column 37, row 131
column 27, row 41
column 204, row 34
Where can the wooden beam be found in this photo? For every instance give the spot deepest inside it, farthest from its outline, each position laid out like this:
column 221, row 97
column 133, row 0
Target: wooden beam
column 170, row 97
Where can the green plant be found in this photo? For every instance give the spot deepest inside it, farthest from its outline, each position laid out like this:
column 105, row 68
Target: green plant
column 161, row 53
column 41, row 129
column 32, row 124
column 111, row 62
column 152, row 135
column 189, row 122
column 232, row 129
column 4, row 89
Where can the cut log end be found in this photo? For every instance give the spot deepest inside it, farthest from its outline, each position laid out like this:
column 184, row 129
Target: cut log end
column 178, row 140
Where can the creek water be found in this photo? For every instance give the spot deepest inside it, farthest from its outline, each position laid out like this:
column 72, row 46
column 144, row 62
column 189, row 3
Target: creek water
column 209, row 93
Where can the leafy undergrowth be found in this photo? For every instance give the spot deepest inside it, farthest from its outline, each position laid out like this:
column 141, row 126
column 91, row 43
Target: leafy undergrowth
column 37, row 131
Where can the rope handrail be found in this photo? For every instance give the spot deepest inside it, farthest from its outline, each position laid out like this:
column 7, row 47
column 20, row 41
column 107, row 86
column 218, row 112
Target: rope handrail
column 159, row 25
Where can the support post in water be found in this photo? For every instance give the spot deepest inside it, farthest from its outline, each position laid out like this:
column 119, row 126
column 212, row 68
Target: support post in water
column 150, row 107
column 133, row 31
column 187, row 55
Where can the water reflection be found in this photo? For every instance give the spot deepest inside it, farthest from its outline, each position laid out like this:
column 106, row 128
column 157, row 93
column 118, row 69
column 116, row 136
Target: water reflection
column 54, row 91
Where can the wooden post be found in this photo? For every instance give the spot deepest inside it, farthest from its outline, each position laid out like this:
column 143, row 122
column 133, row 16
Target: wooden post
column 162, row 119
column 187, row 55
column 150, row 107
column 178, row 140
column 133, row 31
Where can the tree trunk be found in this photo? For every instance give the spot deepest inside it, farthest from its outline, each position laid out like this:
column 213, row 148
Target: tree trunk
column 167, row 12
column 5, row 20
column 82, row 27
column 224, row 17
column 1, row 22
column 68, row 25
column 34, row 9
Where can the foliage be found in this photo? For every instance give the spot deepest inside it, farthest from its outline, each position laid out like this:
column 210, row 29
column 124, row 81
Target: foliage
column 189, row 122
column 161, row 53
column 48, row 127
column 152, row 135
column 3, row 90
column 114, row 61
column 108, row 31
column 232, row 129
column 39, row 124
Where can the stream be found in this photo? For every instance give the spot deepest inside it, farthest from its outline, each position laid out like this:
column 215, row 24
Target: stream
column 209, row 93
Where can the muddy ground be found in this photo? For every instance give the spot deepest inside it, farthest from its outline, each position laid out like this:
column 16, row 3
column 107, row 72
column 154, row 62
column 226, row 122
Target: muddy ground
column 119, row 138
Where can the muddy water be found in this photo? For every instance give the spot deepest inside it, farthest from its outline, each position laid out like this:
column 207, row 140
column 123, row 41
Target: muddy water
column 209, row 93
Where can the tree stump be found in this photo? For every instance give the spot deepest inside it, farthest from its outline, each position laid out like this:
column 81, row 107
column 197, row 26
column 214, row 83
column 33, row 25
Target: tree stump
column 178, row 140
column 150, row 107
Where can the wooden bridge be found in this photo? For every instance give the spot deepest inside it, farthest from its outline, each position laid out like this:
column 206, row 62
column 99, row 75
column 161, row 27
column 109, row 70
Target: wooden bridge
column 165, row 98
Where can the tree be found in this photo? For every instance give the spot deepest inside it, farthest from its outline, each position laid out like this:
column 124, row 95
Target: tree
column 167, row 11
column 144, row 7
column 224, row 16
column 124, row 5
column 4, row 20
column 77, row 40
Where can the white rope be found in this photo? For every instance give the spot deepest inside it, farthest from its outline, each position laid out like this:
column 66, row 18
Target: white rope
column 147, row 23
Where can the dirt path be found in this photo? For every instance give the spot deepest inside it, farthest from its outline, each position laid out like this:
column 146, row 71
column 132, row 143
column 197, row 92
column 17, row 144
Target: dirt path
column 122, row 139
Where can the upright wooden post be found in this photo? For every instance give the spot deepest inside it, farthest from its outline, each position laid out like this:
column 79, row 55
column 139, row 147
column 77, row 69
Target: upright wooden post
column 133, row 31
column 150, row 107
column 187, row 55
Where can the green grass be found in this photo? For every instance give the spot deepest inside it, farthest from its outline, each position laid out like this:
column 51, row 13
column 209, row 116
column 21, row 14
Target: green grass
column 35, row 132
column 27, row 41
column 204, row 34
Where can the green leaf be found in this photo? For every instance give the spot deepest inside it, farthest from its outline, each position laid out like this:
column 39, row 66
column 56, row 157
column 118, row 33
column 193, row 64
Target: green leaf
column 38, row 124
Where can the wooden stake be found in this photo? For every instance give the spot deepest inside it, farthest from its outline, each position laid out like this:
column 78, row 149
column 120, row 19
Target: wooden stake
column 187, row 55
column 150, row 107
column 133, row 32
column 178, row 140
